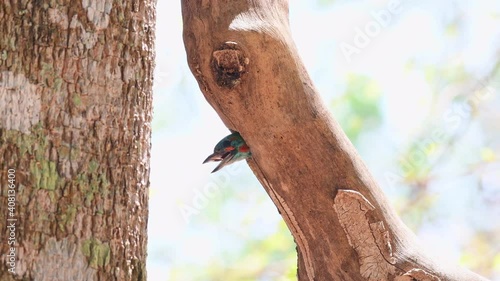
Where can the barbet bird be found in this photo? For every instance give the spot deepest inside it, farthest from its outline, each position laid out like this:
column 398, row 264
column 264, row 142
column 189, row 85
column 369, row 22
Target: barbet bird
column 229, row 150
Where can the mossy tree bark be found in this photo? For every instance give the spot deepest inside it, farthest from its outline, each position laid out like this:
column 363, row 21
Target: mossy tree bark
column 75, row 112
column 243, row 57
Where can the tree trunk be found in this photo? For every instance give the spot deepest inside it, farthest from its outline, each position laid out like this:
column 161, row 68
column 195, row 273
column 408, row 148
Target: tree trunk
column 247, row 66
column 75, row 112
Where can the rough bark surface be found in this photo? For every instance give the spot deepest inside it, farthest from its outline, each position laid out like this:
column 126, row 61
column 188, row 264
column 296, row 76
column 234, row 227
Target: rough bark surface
column 75, row 112
column 243, row 57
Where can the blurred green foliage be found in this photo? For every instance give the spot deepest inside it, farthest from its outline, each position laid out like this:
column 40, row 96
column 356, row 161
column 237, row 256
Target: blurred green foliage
column 358, row 109
column 272, row 258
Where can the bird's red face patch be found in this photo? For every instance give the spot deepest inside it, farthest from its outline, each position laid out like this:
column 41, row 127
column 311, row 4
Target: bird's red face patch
column 244, row 148
column 229, row 148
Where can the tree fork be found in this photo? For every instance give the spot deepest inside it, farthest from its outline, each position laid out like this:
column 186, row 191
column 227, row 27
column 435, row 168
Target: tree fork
column 247, row 66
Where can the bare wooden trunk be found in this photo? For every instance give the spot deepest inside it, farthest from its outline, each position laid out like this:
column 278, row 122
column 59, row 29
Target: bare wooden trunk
column 242, row 54
column 75, row 112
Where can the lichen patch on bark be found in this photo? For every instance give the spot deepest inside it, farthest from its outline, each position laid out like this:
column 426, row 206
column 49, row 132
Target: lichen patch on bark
column 58, row 17
column 97, row 252
column 98, row 12
column 20, row 102
column 67, row 258
column 88, row 38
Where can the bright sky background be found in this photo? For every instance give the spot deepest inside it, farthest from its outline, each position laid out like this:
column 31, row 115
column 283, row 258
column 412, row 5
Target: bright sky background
column 186, row 128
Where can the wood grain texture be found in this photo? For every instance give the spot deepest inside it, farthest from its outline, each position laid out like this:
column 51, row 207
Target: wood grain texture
column 300, row 154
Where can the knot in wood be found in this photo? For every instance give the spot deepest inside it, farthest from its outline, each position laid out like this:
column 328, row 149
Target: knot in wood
column 229, row 65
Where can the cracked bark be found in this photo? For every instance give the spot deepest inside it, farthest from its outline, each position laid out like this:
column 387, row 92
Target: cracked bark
column 75, row 112
column 246, row 64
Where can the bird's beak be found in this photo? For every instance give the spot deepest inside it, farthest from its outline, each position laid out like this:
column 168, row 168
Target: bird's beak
column 212, row 157
column 224, row 161
column 216, row 157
